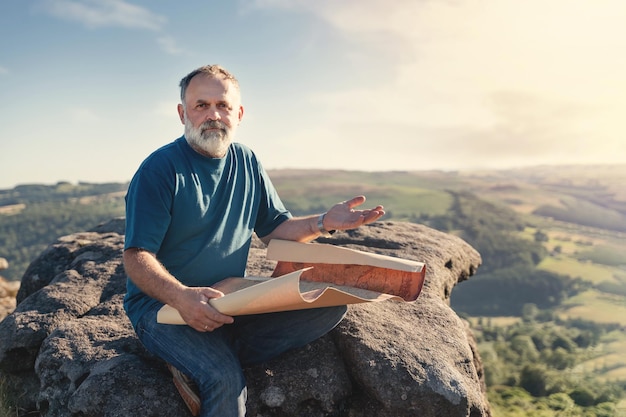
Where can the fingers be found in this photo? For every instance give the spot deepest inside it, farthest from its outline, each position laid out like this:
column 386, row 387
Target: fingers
column 200, row 314
column 215, row 317
column 373, row 215
column 209, row 325
column 343, row 216
column 211, row 320
column 354, row 202
column 210, row 292
column 358, row 200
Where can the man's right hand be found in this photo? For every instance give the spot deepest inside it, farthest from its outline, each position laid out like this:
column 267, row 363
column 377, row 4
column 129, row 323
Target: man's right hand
column 194, row 307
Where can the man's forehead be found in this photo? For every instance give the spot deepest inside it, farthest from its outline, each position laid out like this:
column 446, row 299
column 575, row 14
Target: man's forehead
column 203, row 84
column 201, row 79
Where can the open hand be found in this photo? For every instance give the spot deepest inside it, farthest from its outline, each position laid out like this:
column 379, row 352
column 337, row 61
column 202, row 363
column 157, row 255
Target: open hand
column 342, row 216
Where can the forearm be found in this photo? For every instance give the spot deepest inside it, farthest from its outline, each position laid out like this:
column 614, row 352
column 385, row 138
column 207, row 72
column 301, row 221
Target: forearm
column 299, row 229
column 151, row 277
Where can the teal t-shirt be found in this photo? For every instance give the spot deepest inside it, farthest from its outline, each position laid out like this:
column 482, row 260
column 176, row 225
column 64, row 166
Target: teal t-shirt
column 197, row 214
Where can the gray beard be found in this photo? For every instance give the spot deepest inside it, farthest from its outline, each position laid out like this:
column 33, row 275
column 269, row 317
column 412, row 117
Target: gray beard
column 208, row 143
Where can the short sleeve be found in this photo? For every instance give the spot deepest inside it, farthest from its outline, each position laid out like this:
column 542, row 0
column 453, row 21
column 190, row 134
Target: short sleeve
column 272, row 211
column 148, row 208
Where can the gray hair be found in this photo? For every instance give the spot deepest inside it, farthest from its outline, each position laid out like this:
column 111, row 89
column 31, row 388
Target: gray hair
column 214, row 71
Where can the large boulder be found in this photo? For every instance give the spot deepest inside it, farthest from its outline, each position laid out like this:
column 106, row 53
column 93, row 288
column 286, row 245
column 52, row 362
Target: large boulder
column 68, row 349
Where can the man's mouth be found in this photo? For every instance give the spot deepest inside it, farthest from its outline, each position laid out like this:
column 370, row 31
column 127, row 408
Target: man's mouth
column 212, row 126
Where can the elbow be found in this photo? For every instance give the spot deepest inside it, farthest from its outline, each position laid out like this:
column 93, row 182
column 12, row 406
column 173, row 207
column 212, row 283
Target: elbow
column 133, row 258
column 128, row 256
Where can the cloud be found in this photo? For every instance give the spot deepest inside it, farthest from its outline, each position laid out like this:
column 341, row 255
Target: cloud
column 496, row 79
column 104, row 13
column 112, row 13
column 169, row 45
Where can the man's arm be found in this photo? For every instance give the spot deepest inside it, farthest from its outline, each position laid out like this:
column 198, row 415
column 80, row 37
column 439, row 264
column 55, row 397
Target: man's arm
column 341, row 216
column 192, row 303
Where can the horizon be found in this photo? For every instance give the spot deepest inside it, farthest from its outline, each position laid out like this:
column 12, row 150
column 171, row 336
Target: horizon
column 621, row 167
column 90, row 88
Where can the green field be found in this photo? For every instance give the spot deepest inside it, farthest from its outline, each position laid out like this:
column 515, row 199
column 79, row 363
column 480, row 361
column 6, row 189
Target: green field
column 596, row 306
column 576, row 269
column 404, row 196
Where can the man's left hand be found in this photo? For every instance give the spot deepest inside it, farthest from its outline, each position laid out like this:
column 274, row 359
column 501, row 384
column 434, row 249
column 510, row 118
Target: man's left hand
column 343, row 216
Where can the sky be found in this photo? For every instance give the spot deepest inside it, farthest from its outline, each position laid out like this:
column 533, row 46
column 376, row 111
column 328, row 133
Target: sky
column 89, row 88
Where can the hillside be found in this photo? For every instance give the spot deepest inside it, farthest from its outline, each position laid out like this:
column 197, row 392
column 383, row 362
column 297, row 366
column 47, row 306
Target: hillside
column 33, row 216
column 553, row 241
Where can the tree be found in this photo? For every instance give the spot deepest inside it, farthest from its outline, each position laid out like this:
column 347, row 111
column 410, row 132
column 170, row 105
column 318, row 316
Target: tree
column 529, row 312
column 541, row 236
column 533, row 378
column 583, row 396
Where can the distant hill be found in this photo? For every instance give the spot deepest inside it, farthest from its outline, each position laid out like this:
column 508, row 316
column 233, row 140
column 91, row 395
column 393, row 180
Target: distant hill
column 592, row 196
column 33, row 216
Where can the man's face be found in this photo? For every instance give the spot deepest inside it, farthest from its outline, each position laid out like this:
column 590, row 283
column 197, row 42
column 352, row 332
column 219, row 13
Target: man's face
column 211, row 113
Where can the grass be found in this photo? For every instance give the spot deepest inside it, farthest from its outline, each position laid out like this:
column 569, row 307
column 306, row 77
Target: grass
column 609, row 255
column 596, row 306
column 402, row 200
column 6, row 408
column 588, row 271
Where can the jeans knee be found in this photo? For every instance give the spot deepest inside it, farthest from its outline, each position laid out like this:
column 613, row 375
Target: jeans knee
column 223, row 382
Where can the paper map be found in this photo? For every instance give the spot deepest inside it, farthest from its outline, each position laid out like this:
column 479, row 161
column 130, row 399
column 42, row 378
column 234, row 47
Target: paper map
column 311, row 275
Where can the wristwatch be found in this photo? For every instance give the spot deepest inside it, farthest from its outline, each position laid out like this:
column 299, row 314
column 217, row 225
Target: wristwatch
column 320, row 226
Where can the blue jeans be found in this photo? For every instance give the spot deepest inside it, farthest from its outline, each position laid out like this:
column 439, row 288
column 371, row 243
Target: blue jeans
column 214, row 360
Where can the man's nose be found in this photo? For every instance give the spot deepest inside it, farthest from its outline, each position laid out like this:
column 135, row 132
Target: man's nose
column 213, row 114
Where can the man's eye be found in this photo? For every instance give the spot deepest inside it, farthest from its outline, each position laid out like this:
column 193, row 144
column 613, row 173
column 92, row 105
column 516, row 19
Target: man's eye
column 200, row 105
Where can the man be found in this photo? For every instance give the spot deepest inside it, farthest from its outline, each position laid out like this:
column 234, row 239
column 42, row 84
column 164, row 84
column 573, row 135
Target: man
column 191, row 209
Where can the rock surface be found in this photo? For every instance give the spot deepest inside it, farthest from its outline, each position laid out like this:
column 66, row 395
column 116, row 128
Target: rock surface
column 69, row 350
column 8, row 292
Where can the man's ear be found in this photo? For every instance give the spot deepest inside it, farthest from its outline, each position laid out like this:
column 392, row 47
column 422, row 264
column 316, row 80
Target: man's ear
column 181, row 113
column 240, row 113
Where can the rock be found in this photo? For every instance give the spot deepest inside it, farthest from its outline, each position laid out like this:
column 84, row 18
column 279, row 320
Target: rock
column 8, row 292
column 68, row 349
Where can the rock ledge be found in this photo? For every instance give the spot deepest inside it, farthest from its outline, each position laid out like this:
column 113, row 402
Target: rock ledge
column 68, row 349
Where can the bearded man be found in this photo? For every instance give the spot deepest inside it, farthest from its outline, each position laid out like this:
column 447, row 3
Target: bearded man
column 191, row 210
